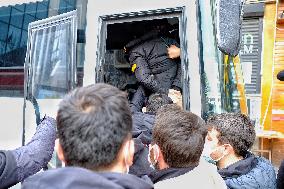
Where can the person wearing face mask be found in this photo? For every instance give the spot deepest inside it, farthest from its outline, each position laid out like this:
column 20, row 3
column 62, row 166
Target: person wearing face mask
column 94, row 127
column 175, row 151
column 228, row 141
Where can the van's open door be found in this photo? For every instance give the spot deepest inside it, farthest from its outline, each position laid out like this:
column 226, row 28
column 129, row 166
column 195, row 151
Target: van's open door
column 50, row 67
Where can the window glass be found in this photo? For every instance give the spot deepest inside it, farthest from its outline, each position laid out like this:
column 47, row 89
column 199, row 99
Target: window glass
column 50, row 77
column 4, row 30
column 24, row 38
column 67, row 5
column 31, row 9
column 5, row 14
column 20, row 7
column 28, row 19
column 17, row 18
column 13, row 39
column 42, row 11
column 2, row 51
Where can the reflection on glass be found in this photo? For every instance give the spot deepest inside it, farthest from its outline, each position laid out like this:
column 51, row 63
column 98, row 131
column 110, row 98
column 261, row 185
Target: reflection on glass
column 17, row 18
column 5, row 14
column 50, row 60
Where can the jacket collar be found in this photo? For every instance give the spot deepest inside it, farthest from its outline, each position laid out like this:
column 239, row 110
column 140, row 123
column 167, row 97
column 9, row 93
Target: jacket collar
column 159, row 175
column 241, row 167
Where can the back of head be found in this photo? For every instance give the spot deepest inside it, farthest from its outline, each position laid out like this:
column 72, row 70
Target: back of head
column 156, row 101
column 235, row 129
column 93, row 122
column 180, row 136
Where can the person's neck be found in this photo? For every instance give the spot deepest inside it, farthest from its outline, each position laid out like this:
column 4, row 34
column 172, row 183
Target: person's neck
column 228, row 160
column 114, row 169
column 162, row 165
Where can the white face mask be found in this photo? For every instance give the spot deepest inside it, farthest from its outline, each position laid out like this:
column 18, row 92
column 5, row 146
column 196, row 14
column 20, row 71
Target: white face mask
column 210, row 148
column 154, row 147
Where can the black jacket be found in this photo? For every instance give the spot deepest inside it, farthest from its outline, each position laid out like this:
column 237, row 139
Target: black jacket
column 155, row 70
column 18, row 164
column 140, row 166
column 160, row 175
column 280, row 176
column 79, row 178
column 142, row 126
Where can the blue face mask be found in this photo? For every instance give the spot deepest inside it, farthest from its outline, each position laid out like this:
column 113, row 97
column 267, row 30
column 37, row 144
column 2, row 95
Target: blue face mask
column 210, row 160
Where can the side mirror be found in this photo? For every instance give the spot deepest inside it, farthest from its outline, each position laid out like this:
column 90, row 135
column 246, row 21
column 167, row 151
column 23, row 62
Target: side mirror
column 229, row 19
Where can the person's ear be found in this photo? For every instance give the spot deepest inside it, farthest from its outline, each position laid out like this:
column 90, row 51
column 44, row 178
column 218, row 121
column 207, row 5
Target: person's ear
column 129, row 150
column 158, row 154
column 59, row 151
column 228, row 149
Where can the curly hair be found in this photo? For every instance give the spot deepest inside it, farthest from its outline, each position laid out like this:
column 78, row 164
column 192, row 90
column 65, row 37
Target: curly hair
column 235, row 129
column 156, row 101
column 180, row 136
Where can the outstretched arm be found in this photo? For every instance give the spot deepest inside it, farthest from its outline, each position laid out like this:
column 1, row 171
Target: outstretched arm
column 18, row 164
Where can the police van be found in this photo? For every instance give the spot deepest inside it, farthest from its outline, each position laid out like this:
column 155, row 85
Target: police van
column 72, row 43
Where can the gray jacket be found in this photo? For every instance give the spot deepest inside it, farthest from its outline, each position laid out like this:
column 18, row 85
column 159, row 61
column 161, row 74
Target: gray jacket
column 18, row 164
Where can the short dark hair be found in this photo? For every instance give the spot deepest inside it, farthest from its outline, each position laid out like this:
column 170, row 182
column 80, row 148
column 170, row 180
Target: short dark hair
column 156, row 101
column 93, row 122
column 235, row 129
column 180, row 136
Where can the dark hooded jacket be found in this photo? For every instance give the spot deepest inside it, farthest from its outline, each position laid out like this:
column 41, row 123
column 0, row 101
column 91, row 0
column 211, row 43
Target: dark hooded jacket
column 18, row 164
column 142, row 126
column 249, row 173
column 80, row 178
column 160, row 175
column 155, row 71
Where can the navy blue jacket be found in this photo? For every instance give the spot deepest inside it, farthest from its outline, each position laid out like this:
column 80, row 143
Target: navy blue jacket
column 18, row 164
column 250, row 173
column 79, row 178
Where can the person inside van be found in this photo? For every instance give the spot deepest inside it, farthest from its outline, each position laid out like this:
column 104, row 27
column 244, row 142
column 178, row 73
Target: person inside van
column 94, row 126
column 155, row 71
column 143, row 122
column 16, row 165
column 229, row 139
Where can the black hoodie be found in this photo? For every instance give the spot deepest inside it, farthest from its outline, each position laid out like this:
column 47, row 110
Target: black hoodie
column 80, row 178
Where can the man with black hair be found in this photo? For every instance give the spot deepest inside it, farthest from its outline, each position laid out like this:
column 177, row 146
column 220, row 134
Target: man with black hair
column 16, row 165
column 94, row 125
column 229, row 139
